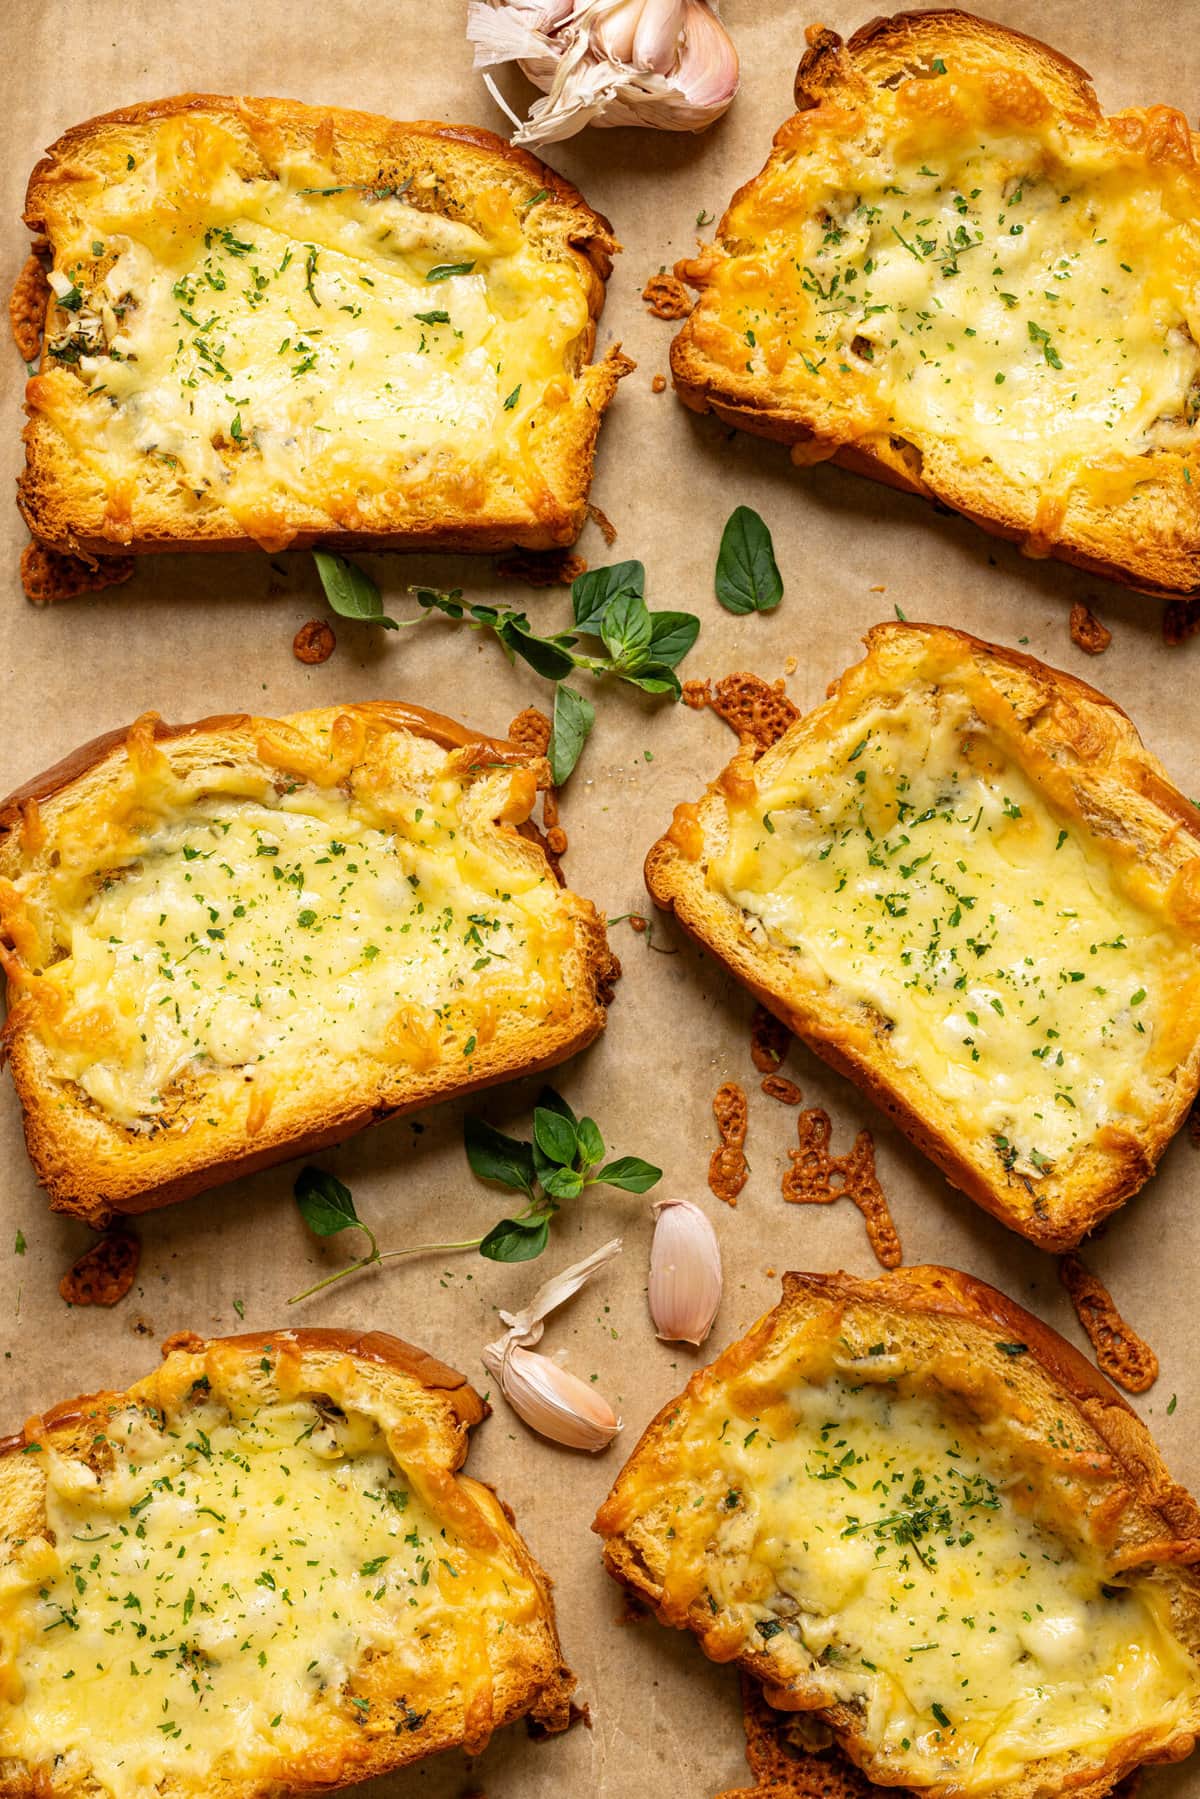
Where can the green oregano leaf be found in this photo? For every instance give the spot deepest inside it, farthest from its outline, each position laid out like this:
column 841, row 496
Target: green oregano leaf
column 574, row 717
column 350, row 592
column 747, row 578
column 326, row 1204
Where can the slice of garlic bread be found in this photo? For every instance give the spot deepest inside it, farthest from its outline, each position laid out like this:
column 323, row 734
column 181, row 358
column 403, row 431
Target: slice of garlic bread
column 956, row 275
column 965, row 883
column 273, row 323
column 232, row 942
column 258, row 1571
column 910, row 1508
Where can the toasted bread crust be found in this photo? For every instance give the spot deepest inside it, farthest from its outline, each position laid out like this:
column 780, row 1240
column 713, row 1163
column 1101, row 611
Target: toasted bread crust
column 1151, row 540
column 1112, row 776
column 465, row 158
column 121, row 1173
column 443, row 1408
column 1159, row 1521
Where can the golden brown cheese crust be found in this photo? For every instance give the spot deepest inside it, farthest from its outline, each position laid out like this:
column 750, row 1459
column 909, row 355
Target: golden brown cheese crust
column 1134, row 517
column 431, row 1410
column 443, row 169
column 1087, row 758
column 958, row 1326
column 93, row 1164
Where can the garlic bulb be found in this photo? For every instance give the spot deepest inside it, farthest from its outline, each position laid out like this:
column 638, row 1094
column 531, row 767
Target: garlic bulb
column 666, row 63
column 549, row 1398
column 685, row 1272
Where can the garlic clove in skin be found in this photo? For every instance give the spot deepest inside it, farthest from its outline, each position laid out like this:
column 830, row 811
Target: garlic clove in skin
column 707, row 70
column 685, row 1272
column 552, row 1400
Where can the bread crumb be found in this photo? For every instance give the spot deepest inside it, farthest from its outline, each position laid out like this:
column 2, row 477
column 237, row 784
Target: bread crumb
column 47, row 575
column 1120, row 1352
column 667, row 297
column 314, row 642
column 27, row 308
column 1087, row 633
column 638, row 923
column 790, row 666
column 817, row 1178
column 659, row 384
column 104, row 1273
column 607, row 529
column 880, row 589
column 777, row 1086
column 550, row 568
column 728, row 1169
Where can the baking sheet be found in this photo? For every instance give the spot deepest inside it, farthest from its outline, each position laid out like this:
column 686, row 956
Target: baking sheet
column 189, row 636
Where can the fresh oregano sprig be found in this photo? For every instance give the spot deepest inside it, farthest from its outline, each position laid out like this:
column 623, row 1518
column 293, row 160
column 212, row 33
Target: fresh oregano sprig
column 558, row 1164
column 562, row 1159
column 640, row 647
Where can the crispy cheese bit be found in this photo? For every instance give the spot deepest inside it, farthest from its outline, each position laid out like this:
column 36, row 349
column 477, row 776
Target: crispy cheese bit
column 769, row 1039
column 47, row 575
column 27, row 308
column 554, row 568
column 759, row 711
column 104, row 1273
column 1181, row 620
column 818, row 1178
column 667, row 297
column 728, row 1169
column 1121, row 1353
column 601, row 520
column 659, row 384
column 530, row 731
column 314, row 642
column 1087, row 632
column 777, row 1086
column 697, row 694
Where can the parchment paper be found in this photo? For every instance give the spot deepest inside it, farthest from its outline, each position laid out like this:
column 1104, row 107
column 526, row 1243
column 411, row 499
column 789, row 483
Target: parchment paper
column 196, row 635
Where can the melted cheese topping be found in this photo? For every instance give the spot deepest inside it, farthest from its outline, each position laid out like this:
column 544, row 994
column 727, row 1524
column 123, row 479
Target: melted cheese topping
column 856, row 1529
column 963, row 267
column 268, row 338
column 1021, row 978
column 203, row 1603
column 235, row 931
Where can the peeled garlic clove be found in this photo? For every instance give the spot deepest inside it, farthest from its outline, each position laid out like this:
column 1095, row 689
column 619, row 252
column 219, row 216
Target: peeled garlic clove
column 551, row 1400
column 685, row 1272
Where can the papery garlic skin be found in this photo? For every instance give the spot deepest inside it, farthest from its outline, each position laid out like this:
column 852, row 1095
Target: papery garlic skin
column 549, row 1398
column 552, row 1400
column 665, row 63
column 685, row 1272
